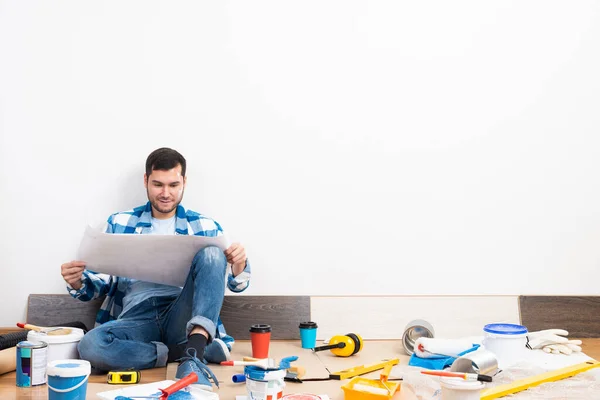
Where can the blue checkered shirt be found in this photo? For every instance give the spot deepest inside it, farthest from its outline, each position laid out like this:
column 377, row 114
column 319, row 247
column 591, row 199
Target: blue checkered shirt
column 139, row 221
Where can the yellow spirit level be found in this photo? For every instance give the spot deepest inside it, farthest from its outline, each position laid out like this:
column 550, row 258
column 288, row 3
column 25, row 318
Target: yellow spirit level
column 524, row 384
column 361, row 370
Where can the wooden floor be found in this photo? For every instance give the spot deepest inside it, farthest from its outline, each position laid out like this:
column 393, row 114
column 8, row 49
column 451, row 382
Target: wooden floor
column 9, row 390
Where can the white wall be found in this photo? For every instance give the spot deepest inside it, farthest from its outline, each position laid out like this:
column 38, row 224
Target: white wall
column 354, row 147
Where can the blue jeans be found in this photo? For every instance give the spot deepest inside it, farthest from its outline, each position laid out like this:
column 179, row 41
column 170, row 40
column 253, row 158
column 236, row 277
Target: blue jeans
column 139, row 339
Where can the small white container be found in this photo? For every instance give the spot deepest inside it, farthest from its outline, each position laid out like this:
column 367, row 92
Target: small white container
column 507, row 342
column 60, row 347
column 460, row 389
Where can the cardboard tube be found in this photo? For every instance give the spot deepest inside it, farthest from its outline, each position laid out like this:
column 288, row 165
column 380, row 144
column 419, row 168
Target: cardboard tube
column 8, row 360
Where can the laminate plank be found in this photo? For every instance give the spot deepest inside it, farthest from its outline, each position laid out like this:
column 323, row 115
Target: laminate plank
column 238, row 313
column 283, row 313
column 576, row 314
column 54, row 309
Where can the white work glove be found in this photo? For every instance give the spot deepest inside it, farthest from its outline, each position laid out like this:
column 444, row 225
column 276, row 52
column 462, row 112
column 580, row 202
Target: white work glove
column 553, row 341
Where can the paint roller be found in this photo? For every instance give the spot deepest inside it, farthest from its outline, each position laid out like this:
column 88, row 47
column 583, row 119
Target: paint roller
column 343, row 345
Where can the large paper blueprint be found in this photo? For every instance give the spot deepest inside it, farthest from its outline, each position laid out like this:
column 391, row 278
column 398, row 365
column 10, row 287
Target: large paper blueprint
column 162, row 259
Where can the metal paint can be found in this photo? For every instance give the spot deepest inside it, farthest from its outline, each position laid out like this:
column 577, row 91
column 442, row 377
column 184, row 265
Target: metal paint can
column 414, row 330
column 476, row 362
column 264, row 384
column 31, row 363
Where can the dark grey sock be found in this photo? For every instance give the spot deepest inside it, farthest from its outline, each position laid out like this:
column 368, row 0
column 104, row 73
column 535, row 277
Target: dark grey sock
column 176, row 351
column 197, row 341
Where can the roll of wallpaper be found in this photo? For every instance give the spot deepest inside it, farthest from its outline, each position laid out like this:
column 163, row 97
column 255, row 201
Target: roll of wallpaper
column 8, row 360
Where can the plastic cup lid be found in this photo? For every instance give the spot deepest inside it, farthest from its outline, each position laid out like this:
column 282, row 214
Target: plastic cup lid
column 260, row 328
column 505, row 329
column 308, row 325
column 69, row 368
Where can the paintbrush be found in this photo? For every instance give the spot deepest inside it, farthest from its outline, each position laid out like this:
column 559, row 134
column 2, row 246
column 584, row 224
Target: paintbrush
column 47, row 331
column 265, row 363
column 465, row 376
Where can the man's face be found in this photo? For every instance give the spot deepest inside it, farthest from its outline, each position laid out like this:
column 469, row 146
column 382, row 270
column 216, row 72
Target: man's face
column 165, row 191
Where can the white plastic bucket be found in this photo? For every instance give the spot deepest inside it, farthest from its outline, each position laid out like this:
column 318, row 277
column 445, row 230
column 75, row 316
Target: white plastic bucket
column 67, row 379
column 460, row 389
column 60, row 347
column 507, row 342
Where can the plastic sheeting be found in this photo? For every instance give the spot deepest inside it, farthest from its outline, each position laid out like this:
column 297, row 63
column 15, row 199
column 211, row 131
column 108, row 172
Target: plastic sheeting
column 583, row 386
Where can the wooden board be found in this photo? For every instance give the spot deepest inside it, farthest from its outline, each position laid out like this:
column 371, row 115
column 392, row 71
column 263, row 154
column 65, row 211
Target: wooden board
column 238, row 313
column 54, row 309
column 283, row 313
column 576, row 314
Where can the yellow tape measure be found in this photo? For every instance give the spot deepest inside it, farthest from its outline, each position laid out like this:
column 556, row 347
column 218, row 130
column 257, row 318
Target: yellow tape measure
column 123, row 377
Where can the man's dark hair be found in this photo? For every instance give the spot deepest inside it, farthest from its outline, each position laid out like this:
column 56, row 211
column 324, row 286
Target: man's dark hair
column 164, row 159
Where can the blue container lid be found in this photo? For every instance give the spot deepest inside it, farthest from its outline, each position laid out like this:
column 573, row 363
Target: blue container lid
column 505, row 329
column 259, row 374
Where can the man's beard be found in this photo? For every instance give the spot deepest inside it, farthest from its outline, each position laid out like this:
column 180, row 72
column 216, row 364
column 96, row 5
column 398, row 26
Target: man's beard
column 160, row 207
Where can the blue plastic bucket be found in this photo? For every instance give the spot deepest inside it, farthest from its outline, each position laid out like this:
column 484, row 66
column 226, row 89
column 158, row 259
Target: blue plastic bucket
column 67, row 379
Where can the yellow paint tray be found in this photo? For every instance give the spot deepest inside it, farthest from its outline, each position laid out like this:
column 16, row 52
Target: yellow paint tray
column 370, row 389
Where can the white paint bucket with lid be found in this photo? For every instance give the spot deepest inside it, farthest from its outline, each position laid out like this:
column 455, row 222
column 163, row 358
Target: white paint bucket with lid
column 460, row 389
column 67, row 379
column 507, row 341
column 60, row 347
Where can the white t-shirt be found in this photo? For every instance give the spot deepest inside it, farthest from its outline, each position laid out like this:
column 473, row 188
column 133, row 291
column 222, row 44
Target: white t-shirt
column 138, row 291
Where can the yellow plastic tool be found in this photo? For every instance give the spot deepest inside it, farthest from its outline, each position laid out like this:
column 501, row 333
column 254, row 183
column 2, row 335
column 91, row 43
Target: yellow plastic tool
column 524, row 384
column 370, row 389
column 362, row 369
column 123, row 377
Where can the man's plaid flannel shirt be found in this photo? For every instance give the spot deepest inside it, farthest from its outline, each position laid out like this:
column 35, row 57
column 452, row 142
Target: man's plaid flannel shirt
column 139, row 221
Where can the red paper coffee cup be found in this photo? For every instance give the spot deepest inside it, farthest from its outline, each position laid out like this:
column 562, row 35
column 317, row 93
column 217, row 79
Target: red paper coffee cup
column 260, row 336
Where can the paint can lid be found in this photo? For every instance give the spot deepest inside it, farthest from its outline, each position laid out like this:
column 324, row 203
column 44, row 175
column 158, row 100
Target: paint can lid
column 260, row 328
column 31, row 344
column 308, row 325
column 505, row 329
column 69, row 368
column 260, row 374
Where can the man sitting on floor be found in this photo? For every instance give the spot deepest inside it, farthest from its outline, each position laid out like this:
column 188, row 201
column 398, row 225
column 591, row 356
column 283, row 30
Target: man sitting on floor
column 145, row 325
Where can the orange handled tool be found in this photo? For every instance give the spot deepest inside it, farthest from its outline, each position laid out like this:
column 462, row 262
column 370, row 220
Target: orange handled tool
column 180, row 384
column 169, row 390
